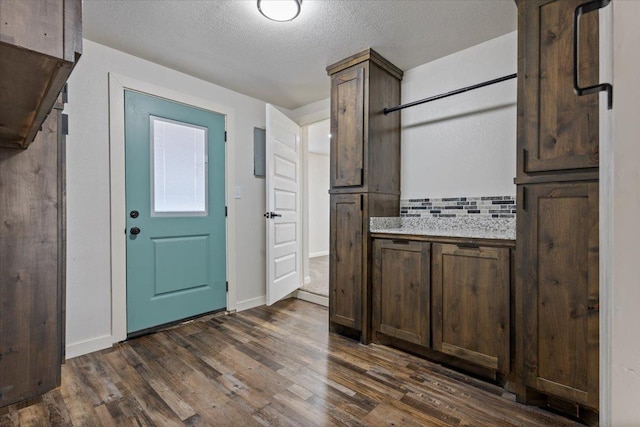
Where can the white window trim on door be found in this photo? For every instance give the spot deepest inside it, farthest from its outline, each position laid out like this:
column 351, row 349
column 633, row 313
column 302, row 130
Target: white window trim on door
column 117, row 85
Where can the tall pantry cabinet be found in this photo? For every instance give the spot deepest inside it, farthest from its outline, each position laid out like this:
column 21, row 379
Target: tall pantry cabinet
column 557, row 282
column 40, row 43
column 365, row 179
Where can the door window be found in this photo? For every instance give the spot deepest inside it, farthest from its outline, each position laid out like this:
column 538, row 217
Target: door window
column 179, row 172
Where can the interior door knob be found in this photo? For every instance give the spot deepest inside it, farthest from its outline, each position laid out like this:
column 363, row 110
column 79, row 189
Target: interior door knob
column 134, row 230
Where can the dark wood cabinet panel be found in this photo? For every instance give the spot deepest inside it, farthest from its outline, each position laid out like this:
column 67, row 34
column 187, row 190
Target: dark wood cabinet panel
column 401, row 290
column 40, row 43
column 346, row 260
column 32, row 265
column 350, row 254
column 470, row 302
column 557, row 130
column 365, row 143
column 559, row 285
column 556, row 292
column 347, row 127
column 365, row 180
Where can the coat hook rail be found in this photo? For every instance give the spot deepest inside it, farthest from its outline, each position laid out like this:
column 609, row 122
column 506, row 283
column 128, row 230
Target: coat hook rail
column 453, row 92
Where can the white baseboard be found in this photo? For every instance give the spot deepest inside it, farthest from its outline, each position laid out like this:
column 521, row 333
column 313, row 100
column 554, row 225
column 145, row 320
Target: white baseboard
column 88, row 346
column 250, row 303
column 317, row 254
column 314, row 298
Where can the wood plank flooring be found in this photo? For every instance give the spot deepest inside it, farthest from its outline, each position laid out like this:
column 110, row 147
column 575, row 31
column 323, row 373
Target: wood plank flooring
column 268, row 366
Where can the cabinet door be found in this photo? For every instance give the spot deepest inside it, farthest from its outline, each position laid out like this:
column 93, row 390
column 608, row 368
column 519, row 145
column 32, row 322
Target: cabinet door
column 557, row 129
column 471, row 304
column 347, row 127
column 345, row 260
column 401, row 283
column 32, row 265
column 558, row 225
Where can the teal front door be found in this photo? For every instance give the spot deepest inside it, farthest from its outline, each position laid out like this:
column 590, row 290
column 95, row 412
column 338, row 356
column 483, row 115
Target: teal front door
column 175, row 207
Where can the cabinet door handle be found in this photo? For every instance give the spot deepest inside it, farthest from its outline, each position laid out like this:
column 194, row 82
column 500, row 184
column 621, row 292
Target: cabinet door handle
column 607, row 87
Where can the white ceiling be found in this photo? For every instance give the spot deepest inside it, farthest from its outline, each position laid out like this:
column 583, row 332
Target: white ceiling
column 228, row 42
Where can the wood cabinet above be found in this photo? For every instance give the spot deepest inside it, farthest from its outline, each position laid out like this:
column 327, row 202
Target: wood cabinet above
column 365, row 143
column 40, row 42
column 557, row 130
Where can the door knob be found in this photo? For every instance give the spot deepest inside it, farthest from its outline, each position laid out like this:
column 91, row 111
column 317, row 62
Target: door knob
column 271, row 215
column 134, row 230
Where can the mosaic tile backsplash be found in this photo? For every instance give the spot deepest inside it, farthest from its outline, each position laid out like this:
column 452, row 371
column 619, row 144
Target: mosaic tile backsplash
column 454, row 207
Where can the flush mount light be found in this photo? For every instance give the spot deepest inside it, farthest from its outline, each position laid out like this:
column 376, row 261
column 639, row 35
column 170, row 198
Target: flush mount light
column 279, row 10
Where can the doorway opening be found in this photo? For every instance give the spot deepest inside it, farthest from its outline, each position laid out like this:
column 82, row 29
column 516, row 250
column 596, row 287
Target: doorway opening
column 316, row 280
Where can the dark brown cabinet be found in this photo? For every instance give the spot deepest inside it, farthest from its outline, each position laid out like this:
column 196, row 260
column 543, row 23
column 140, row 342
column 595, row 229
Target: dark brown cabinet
column 32, row 264
column 401, row 290
column 350, row 256
column 365, row 143
column 470, row 302
column 365, row 179
column 347, row 128
column 560, row 296
column 40, row 42
column 346, row 260
column 445, row 298
column 557, row 130
column 557, row 289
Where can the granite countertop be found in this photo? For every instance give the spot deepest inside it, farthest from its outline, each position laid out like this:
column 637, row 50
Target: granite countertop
column 467, row 227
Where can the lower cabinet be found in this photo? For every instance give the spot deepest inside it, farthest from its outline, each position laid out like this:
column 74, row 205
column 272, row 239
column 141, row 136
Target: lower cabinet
column 401, row 290
column 32, row 264
column 346, row 260
column 558, row 290
column 349, row 259
column 470, row 304
column 450, row 302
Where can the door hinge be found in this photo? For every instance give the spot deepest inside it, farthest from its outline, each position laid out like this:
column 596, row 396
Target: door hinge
column 65, row 94
column 65, row 124
column 226, row 211
column 227, row 286
column 225, row 136
column 361, row 201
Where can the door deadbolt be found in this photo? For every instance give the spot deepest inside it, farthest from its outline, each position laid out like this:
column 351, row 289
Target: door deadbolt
column 134, row 214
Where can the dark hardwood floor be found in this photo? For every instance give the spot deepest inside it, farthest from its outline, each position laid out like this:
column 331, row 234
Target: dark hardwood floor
column 267, row 366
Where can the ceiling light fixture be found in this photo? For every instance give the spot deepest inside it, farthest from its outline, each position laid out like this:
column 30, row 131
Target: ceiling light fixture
column 279, row 10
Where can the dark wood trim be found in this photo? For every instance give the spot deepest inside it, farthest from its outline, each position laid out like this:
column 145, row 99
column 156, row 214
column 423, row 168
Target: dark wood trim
column 34, row 68
column 560, row 176
column 446, row 239
column 366, row 55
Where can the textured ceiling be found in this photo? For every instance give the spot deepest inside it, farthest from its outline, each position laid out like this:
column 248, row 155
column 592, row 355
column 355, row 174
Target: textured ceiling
column 228, row 42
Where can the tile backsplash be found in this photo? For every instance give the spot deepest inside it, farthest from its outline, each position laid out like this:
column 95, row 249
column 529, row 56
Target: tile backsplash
column 453, row 207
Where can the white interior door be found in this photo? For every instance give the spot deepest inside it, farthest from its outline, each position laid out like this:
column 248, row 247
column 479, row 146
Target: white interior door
column 284, row 234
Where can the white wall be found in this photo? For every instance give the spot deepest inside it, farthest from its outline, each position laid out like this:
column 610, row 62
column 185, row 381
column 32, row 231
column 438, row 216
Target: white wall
column 318, row 187
column 318, row 204
column 88, row 199
column 464, row 145
column 624, row 183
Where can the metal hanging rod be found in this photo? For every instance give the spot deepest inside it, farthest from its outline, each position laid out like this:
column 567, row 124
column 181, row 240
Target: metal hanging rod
column 453, row 92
